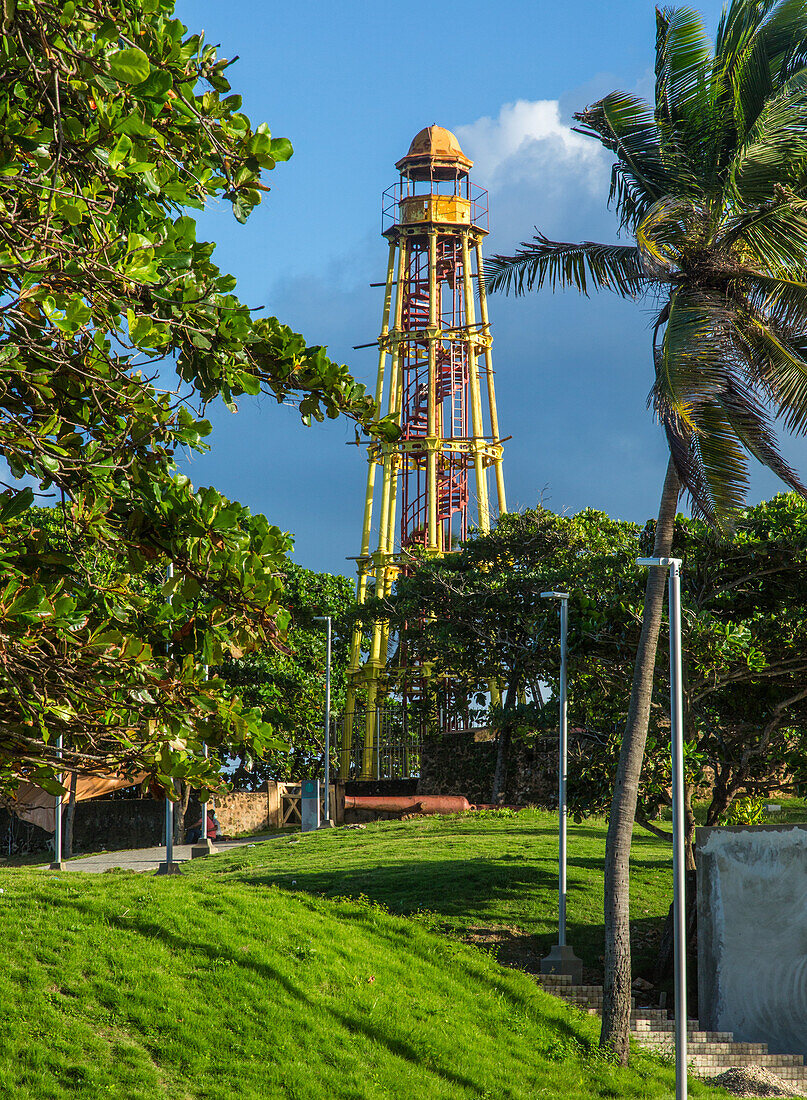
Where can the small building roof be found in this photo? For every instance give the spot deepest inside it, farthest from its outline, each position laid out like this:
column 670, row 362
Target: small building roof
column 434, row 153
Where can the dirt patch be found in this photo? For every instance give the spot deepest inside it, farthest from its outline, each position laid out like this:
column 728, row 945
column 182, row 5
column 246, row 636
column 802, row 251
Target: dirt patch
column 513, row 947
column 509, row 945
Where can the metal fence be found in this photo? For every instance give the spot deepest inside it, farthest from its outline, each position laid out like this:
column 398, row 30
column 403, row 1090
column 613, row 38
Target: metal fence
column 397, row 744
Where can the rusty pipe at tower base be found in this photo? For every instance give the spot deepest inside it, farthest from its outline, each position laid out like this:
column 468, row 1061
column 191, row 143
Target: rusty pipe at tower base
column 417, row 804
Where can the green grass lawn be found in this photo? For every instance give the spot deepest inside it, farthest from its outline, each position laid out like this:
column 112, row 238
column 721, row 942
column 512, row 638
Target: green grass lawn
column 467, row 871
column 234, row 980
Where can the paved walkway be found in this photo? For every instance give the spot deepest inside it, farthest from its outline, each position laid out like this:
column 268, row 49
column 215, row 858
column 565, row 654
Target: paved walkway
column 148, row 859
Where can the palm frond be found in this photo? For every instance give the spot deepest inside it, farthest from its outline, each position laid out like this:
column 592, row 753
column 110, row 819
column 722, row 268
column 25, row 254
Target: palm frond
column 738, row 24
column 722, row 459
column 753, row 426
column 751, row 83
column 685, row 456
column 772, row 239
column 780, row 301
column 742, row 70
column 785, row 34
column 683, row 68
column 626, row 126
column 692, row 368
column 776, row 362
column 691, row 365
column 760, row 46
column 605, row 266
column 773, row 152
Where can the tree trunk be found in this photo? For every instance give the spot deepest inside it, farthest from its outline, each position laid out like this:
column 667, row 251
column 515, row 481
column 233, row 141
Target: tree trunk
column 663, row 967
column 503, row 752
column 180, row 809
column 67, row 846
column 721, row 800
column 690, row 824
column 617, row 977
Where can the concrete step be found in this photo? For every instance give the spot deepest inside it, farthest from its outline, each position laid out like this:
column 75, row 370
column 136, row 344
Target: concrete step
column 705, row 1046
column 708, row 1052
column 642, row 1024
column 585, row 999
column 773, row 1062
column 666, row 1035
column 660, row 1014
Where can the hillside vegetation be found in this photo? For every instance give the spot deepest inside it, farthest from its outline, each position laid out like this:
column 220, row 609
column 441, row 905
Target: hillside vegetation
column 234, row 981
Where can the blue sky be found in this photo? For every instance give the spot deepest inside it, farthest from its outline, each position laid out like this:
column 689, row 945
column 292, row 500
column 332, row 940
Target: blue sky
column 350, row 84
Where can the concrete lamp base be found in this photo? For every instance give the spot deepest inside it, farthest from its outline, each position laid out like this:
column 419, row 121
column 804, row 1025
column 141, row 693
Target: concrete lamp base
column 169, row 869
column 562, row 960
column 203, row 848
column 57, row 867
column 327, row 824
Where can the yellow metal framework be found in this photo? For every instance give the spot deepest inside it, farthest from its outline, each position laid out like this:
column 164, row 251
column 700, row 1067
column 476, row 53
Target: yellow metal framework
column 432, row 345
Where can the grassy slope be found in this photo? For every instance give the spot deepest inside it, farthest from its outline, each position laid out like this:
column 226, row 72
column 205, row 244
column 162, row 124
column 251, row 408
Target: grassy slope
column 220, row 984
column 469, row 871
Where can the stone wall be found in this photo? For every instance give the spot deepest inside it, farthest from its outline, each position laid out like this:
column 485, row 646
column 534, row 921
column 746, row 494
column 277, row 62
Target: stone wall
column 752, row 934
column 246, row 811
column 380, row 787
column 464, row 763
column 117, row 823
column 99, row 824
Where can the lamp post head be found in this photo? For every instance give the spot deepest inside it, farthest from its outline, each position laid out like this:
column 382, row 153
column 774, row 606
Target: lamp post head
column 554, row 595
column 321, row 618
column 660, row 563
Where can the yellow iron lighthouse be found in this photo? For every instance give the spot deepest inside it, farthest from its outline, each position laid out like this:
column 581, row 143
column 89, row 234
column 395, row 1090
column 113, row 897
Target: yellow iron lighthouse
column 435, row 381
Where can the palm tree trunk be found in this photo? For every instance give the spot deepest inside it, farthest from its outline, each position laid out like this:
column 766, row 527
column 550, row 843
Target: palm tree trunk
column 617, row 978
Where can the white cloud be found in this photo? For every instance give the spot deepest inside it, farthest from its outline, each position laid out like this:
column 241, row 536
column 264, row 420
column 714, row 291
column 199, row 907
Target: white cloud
column 529, row 141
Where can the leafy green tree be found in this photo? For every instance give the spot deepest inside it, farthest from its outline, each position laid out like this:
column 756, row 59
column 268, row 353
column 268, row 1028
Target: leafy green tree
column 116, row 121
column 710, row 182
column 745, row 638
column 286, row 684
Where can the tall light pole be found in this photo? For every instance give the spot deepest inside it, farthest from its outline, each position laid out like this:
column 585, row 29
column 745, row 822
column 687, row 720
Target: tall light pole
column 204, row 846
column 327, row 819
column 561, row 958
column 169, row 867
column 679, row 862
column 57, row 864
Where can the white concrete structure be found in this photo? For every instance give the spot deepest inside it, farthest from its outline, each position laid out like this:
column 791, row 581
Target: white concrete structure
column 752, row 934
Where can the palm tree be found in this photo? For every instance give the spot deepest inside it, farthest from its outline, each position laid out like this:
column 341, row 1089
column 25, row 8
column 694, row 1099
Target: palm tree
column 712, row 186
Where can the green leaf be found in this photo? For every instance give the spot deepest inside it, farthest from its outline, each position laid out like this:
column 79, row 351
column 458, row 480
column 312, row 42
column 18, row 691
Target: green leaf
column 12, row 505
column 281, row 148
column 130, row 66
column 140, row 329
column 71, row 212
column 121, row 151
column 157, row 85
column 78, row 313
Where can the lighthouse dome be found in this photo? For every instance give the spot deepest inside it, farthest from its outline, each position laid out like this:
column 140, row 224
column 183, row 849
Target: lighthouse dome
column 434, row 153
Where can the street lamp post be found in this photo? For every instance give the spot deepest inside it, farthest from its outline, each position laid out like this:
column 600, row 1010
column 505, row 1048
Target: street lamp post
column 204, row 846
column 327, row 823
column 169, row 867
column 561, row 958
column 679, row 860
column 57, row 864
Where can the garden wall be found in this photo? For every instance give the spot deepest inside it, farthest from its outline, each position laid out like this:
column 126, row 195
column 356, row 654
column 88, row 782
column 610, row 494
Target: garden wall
column 117, row 823
column 100, row 824
column 242, row 811
column 464, row 763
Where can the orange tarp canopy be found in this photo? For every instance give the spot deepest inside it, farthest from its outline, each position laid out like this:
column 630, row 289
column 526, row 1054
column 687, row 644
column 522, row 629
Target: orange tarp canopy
column 37, row 807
